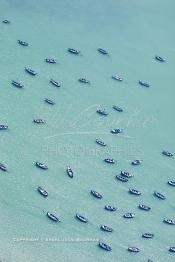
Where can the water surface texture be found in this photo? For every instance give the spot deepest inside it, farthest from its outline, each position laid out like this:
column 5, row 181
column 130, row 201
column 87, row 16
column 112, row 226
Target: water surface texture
column 133, row 32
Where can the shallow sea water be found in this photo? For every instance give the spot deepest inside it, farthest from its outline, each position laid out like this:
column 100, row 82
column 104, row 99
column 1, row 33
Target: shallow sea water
column 133, row 32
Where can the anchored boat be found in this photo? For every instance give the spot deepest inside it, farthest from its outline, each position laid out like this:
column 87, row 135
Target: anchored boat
column 167, row 153
column 172, row 249
column 169, row 221
column 3, row 127
column 50, row 60
column 171, row 183
column 30, row 71
column 73, row 51
column 110, row 208
column 53, row 217
column 159, row 195
column 23, row 43
column 118, row 78
column 96, row 194
column 42, row 191
column 55, row 83
column 109, row 160
column 106, row 228
column 133, row 249
column 147, row 235
column 84, row 81
column 39, row 121
column 117, row 131
column 6, row 21
column 70, row 172
column 117, row 108
column 121, row 178
column 17, row 84
column 100, row 142
column 136, row 162
column 41, row 165
column 159, row 58
column 134, row 192
column 102, row 112
column 3, row 167
column 126, row 174
column 144, row 207
column 102, row 51
column 81, row 218
column 129, row 215
column 105, row 246
column 49, row 101
column 142, row 83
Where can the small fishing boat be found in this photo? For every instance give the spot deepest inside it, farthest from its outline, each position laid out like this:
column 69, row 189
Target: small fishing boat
column 30, row 71
column 159, row 195
column 133, row 249
column 102, row 112
column 167, row 153
column 171, row 183
column 50, row 60
column 55, row 83
column 121, row 178
column 172, row 249
column 39, row 121
column 3, row 127
column 70, row 172
column 144, row 83
column 41, row 165
column 73, row 51
column 134, row 192
column 3, row 167
column 100, row 142
column 84, row 81
column 17, row 84
column 102, row 51
column 159, row 58
column 147, row 235
column 6, row 21
column 169, row 221
column 53, row 217
column 117, row 131
column 106, row 228
column 23, row 43
column 144, row 207
column 117, row 108
column 129, row 215
column 136, row 162
column 118, row 78
column 149, row 260
column 109, row 160
column 126, row 174
column 110, row 208
column 105, row 246
column 49, row 101
column 96, row 194
column 81, row 218
column 42, row 191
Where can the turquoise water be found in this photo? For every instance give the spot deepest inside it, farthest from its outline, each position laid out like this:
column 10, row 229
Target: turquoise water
column 133, row 32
